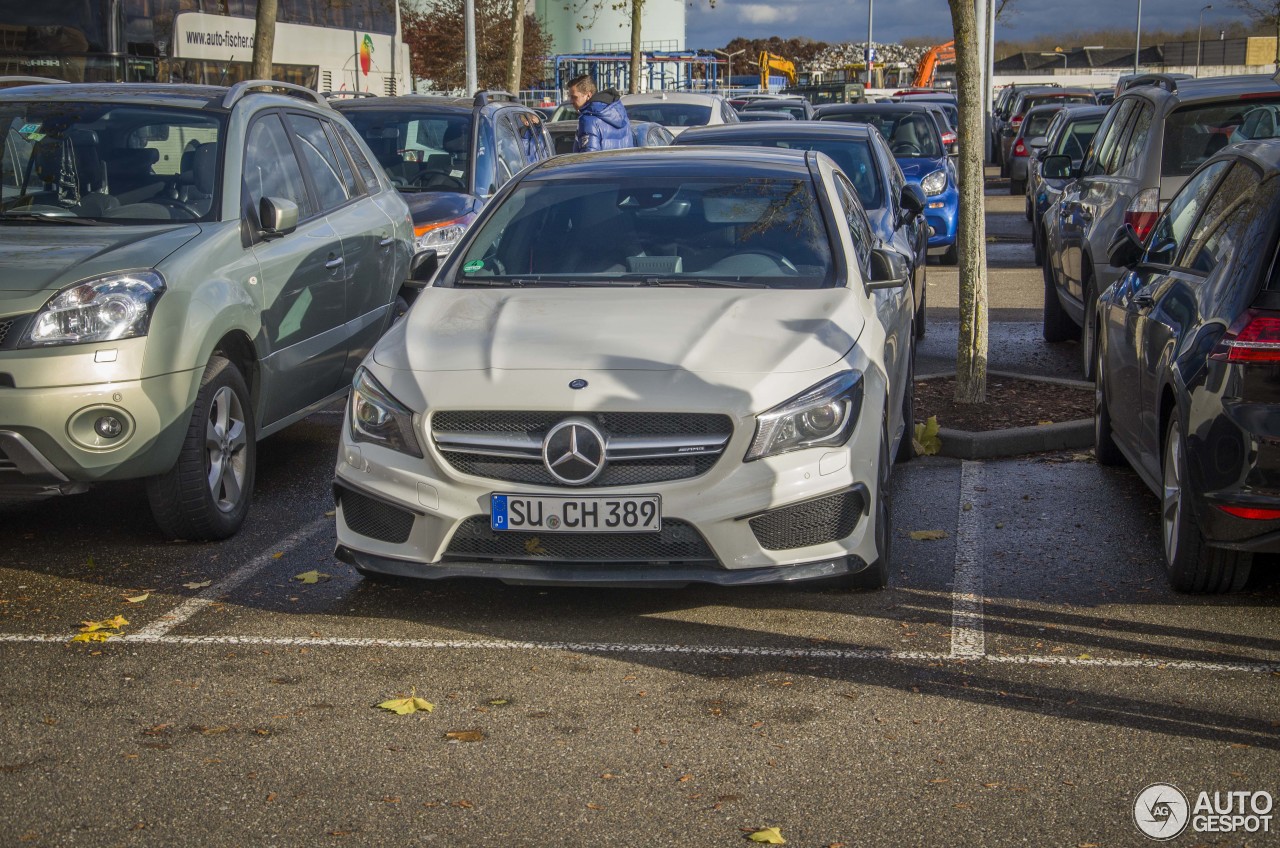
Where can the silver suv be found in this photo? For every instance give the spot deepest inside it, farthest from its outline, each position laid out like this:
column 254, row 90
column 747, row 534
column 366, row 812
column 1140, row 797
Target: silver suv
column 1153, row 137
column 183, row 270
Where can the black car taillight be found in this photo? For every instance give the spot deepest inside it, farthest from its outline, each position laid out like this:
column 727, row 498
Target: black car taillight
column 1253, row 337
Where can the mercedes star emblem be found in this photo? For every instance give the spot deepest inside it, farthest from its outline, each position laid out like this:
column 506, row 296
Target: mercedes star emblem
column 573, row 452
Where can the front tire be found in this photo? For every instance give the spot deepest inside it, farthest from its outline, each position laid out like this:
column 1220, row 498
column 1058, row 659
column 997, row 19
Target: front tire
column 1089, row 329
column 1104, row 443
column 1058, row 326
column 920, row 318
column 952, row 256
column 206, row 494
column 1017, row 186
column 1192, row 566
column 876, row 575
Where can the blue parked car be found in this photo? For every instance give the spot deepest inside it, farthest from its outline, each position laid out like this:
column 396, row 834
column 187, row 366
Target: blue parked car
column 916, row 142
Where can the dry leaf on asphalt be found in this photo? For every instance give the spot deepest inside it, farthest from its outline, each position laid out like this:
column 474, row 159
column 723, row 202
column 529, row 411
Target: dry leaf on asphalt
column 464, row 736
column 928, row 535
column 769, row 835
column 137, row 599
column 406, row 706
column 96, row 636
column 201, row 585
column 312, row 576
column 927, row 441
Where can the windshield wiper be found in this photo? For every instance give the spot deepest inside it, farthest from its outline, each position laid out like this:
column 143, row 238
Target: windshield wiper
column 693, row 282
column 61, row 219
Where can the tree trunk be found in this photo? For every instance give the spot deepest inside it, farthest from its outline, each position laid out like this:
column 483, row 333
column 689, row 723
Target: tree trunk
column 637, row 6
column 264, row 40
column 517, row 46
column 971, row 351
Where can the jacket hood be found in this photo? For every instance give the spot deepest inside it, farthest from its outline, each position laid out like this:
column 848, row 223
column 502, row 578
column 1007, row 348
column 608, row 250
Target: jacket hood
column 612, row 113
column 47, row 257
column 608, row 329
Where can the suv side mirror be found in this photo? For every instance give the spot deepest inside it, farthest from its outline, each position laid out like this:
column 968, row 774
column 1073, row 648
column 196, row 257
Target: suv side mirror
column 1125, row 249
column 888, row 270
column 424, row 266
column 278, row 217
column 1057, row 168
column 912, row 200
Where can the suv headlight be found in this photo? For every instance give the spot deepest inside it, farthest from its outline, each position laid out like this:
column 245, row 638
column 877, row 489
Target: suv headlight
column 823, row 415
column 934, row 183
column 441, row 236
column 100, row 310
column 380, row 419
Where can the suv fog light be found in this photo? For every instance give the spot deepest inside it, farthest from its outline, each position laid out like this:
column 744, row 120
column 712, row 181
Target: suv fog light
column 108, row 427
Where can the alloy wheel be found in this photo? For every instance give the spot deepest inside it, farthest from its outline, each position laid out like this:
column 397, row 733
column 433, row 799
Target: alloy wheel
column 225, row 455
column 1171, row 495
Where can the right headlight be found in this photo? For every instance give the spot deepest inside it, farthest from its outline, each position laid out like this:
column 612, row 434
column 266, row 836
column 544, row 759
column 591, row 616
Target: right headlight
column 441, row 236
column 821, row 416
column 378, row 418
column 934, row 183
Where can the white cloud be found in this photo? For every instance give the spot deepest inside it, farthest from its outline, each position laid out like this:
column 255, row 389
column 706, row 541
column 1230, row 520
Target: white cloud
column 759, row 13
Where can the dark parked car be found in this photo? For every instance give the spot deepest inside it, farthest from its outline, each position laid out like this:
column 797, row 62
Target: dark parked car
column 448, row 155
column 643, row 134
column 893, row 205
column 1022, row 103
column 797, row 107
column 1000, row 111
column 1187, row 360
column 756, row 115
column 1029, row 140
column 1070, row 134
column 915, row 138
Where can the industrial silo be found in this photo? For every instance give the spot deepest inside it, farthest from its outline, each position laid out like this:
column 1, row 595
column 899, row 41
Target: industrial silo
column 589, row 26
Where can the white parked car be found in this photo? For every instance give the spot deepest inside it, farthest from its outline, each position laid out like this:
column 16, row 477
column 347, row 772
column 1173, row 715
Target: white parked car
column 649, row 367
column 677, row 111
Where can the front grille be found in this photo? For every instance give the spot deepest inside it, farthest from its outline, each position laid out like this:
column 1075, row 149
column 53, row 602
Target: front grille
column 811, row 523
column 677, row 543
column 375, row 519
column 4, row 329
column 6, row 464
column 622, row 471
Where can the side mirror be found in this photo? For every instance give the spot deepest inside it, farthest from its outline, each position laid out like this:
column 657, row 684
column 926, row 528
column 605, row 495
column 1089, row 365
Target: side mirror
column 278, row 217
column 912, row 200
column 888, row 270
column 1125, row 249
column 1057, row 168
column 1040, row 142
column 424, row 266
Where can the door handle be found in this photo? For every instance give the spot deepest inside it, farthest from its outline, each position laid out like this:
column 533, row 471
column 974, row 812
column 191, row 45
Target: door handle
column 1143, row 300
column 334, row 262
column 387, row 242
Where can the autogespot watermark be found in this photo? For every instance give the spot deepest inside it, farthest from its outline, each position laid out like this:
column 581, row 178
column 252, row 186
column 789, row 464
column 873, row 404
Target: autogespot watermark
column 1162, row 811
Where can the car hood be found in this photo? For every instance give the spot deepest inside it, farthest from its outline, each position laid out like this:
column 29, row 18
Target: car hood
column 917, row 169
column 46, row 257
column 428, row 207
column 638, row 329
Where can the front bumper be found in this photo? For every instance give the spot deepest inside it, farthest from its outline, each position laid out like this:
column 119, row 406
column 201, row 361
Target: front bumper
column 941, row 212
column 412, row 511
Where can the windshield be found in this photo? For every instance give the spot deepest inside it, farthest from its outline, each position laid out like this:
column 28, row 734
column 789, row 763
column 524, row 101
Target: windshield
column 1037, row 123
column 124, row 164
column 853, row 156
column 654, row 230
column 796, row 110
column 420, row 151
column 670, row 114
column 910, row 134
column 1194, row 133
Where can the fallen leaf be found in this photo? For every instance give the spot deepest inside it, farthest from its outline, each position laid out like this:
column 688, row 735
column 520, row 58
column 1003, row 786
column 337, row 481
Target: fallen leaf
column 312, row 576
column 498, row 702
column 769, row 835
column 925, row 436
column 1084, row 657
column 594, row 807
column 97, row 636
column 1043, row 423
column 204, row 584
column 331, row 513
column 685, row 778
column 137, row 599
column 464, row 736
column 277, row 555
column 928, row 535
column 214, row 731
column 406, row 706
column 466, row 805
column 116, row 621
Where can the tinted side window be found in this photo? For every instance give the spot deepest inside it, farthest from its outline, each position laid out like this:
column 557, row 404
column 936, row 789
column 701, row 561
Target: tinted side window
column 1112, row 125
column 367, row 174
column 1129, row 162
column 1174, row 226
column 1230, row 216
column 1108, row 155
column 348, row 175
column 320, row 161
column 859, row 227
column 510, row 157
column 270, row 168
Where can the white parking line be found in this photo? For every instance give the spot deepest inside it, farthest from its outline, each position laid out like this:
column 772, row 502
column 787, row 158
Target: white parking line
column 183, row 611
column 968, row 637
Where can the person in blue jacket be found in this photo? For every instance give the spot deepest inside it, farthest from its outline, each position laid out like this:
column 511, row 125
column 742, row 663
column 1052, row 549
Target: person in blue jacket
column 602, row 121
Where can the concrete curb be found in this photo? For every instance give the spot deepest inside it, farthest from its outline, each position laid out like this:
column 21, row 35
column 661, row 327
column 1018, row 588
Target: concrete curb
column 1015, row 441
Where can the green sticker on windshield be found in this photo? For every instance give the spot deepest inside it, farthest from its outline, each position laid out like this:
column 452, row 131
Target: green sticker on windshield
column 473, row 265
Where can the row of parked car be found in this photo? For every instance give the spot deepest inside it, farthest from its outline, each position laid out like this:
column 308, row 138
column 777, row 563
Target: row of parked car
column 650, row 366
column 1154, row 222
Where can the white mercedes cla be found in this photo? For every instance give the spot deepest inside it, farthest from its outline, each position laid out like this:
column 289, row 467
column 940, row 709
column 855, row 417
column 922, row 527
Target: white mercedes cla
column 643, row 367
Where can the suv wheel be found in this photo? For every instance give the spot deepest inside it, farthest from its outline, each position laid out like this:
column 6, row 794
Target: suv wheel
column 207, row 492
column 952, row 256
column 1192, row 566
column 1104, row 444
column 1058, row 326
column 1088, row 327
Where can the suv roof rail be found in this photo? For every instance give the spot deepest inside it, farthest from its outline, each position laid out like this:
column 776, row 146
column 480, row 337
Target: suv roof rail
column 1165, row 81
column 334, row 95
column 484, row 97
column 240, row 89
column 15, row 81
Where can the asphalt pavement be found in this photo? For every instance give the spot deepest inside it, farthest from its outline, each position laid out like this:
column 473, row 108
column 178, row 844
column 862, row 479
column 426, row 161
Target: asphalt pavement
column 1024, row 677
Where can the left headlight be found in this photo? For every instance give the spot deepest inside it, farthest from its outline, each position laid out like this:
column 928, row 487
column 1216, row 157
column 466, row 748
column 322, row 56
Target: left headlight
column 823, row 415
column 934, row 183
column 100, row 310
column 441, row 236
column 378, row 418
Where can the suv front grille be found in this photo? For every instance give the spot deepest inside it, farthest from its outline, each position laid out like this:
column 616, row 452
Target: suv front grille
column 828, row 519
column 676, row 544
column 643, row 447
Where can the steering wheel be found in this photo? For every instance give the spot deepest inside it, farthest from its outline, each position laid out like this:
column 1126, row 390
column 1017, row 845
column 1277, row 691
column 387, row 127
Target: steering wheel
column 438, row 179
column 174, row 203
column 782, row 261
column 906, row 149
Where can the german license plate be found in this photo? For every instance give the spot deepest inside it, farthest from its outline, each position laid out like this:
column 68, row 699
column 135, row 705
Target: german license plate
column 589, row 514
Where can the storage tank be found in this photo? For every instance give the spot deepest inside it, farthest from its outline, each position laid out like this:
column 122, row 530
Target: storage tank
column 585, row 26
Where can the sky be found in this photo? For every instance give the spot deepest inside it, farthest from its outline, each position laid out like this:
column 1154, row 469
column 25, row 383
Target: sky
column 893, row 20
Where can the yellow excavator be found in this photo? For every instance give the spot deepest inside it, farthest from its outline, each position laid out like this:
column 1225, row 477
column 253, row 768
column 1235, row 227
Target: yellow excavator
column 780, row 66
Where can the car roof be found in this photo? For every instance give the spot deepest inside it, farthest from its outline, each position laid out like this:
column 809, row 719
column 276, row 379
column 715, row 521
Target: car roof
column 840, row 108
column 689, row 160
column 797, row 129
column 415, row 102
column 674, row 97
column 1077, row 111
column 1265, row 153
column 141, row 94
